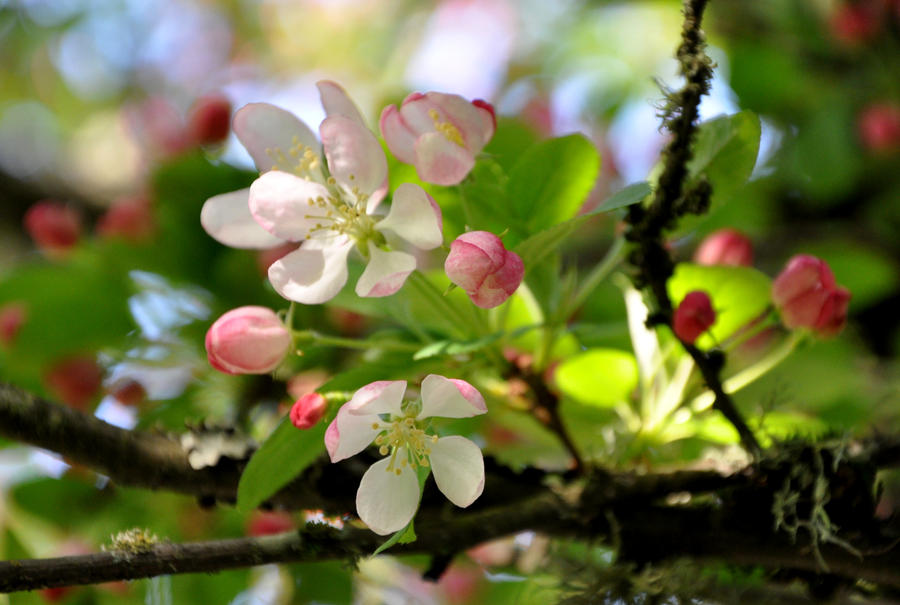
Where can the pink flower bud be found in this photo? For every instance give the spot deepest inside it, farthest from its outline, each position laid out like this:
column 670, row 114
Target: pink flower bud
column 12, row 316
column 268, row 523
column 725, row 247
column 209, row 120
column 879, row 127
column 247, row 340
column 806, row 295
column 75, row 381
column 54, row 226
column 130, row 219
column 694, row 316
column 308, row 410
column 440, row 134
column 480, row 264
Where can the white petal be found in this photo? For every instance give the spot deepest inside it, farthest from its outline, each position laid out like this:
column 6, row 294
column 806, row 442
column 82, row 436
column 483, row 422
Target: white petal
column 227, row 219
column 415, row 217
column 280, row 203
column 348, row 435
column 355, row 158
column 450, row 398
column 265, row 129
column 458, row 469
column 385, row 273
column 314, row 273
column 380, row 397
column 337, row 103
column 441, row 161
column 386, row 501
column 397, row 134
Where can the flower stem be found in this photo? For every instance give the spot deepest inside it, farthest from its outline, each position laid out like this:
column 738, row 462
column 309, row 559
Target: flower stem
column 315, row 338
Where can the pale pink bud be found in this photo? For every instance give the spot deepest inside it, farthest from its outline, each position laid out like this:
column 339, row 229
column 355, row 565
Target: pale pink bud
column 75, row 380
column 440, row 134
column 694, row 316
column 480, row 264
column 879, row 127
column 308, row 410
column 130, row 219
column 209, row 120
column 806, row 295
column 725, row 247
column 12, row 316
column 54, row 226
column 247, row 340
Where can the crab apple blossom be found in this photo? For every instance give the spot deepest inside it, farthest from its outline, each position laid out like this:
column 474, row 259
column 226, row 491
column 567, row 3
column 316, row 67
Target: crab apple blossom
column 480, row 264
column 308, row 410
column 725, row 247
column 55, row 227
column 267, row 523
column 331, row 212
column 247, row 340
column 440, row 134
column 694, row 316
column 388, row 494
column 807, row 296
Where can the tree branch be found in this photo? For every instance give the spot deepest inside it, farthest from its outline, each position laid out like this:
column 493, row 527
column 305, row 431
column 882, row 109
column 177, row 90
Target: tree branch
column 646, row 225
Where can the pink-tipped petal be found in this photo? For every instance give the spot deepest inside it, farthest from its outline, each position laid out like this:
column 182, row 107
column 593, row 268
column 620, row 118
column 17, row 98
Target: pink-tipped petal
column 414, row 217
column 441, row 161
column 379, row 397
column 398, row 136
column 450, row 398
column 314, row 273
column 474, row 123
column 228, row 220
column 488, row 118
column 386, row 272
column 265, row 130
column 280, row 203
column 348, row 435
column 387, row 500
column 337, row 103
column 501, row 284
column 355, row 158
column 458, row 469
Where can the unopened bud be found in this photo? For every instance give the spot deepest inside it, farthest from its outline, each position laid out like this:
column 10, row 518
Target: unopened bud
column 806, row 295
column 308, row 410
column 725, row 247
column 247, row 340
column 694, row 316
column 130, row 219
column 12, row 316
column 480, row 264
column 54, row 226
column 209, row 120
column 75, row 380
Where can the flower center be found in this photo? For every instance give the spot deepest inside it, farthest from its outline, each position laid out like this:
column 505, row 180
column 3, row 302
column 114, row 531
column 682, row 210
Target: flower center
column 450, row 132
column 404, row 432
column 342, row 212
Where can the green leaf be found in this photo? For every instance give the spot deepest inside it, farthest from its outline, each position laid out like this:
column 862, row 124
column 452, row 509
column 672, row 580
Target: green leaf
column 632, row 194
column 739, row 295
column 534, row 249
column 552, row 179
column 599, row 377
column 725, row 151
column 282, row 457
column 454, row 347
column 407, row 535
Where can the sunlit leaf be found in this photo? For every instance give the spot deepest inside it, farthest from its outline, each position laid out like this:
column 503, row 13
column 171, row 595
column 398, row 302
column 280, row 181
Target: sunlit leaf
column 599, row 377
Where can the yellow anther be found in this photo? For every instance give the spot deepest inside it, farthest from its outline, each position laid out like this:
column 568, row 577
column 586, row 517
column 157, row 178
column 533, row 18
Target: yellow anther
column 383, row 450
column 450, row 132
